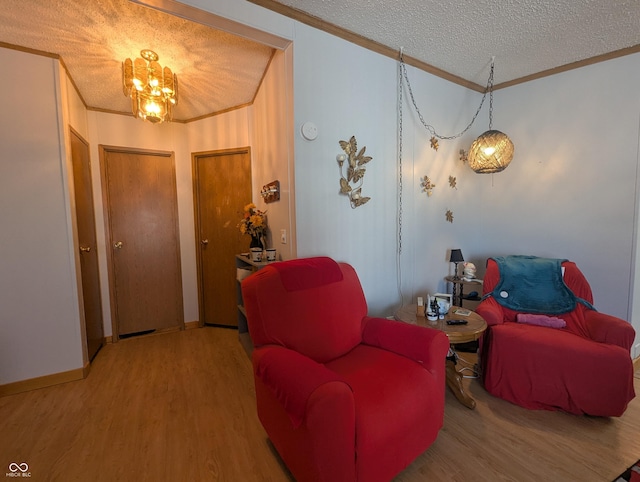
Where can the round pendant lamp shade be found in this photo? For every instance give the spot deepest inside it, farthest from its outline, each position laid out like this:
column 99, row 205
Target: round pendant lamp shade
column 491, row 152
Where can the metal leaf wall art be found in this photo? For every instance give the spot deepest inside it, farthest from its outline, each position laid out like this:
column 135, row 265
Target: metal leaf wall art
column 449, row 215
column 427, row 186
column 352, row 184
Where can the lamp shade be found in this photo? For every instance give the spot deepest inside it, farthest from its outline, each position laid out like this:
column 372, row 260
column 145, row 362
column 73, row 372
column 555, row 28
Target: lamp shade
column 491, row 152
column 456, row 256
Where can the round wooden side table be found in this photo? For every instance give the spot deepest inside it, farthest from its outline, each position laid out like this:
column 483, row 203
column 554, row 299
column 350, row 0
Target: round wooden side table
column 457, row 334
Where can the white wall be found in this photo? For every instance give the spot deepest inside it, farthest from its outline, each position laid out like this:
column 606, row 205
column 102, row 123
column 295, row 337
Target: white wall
column 76, row 110
column 39, row 314
column 635, row 287
column 570, row 191
column 272, row 152
column 355, row 93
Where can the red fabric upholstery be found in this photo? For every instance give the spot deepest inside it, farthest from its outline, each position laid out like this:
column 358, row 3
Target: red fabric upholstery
column 583, row 368
column 342, row 396
column 321, row 323
column 320, row 271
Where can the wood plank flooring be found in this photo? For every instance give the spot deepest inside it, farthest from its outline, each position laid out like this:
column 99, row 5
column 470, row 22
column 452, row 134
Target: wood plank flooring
column 181, row 407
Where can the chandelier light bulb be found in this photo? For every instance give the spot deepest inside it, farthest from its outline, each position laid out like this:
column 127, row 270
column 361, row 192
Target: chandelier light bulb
column 152, row 108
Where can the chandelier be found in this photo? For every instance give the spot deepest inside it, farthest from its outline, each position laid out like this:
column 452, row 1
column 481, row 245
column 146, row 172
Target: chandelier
column 153, row 89
column 493, row 150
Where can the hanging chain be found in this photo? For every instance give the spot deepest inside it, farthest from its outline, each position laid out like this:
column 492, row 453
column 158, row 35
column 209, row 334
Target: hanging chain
column 402, row 76
column 400, row 163
column 399, row 233
column 429, row 127
column 490, row 87
column 400, row 187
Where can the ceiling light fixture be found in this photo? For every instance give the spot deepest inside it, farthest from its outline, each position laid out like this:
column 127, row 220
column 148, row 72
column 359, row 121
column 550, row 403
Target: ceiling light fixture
column 489, row 153
column 493, row 150
column 153, row 89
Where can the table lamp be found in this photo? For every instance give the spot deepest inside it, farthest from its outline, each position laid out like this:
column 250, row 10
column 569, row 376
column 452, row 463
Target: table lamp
column 456, row 257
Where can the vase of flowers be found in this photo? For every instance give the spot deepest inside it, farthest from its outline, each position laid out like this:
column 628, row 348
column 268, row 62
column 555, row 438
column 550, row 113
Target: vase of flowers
column 256, row 243
column 254, row 223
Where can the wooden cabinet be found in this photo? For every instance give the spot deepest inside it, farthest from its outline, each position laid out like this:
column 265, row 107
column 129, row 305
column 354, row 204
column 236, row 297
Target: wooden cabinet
column 244, row 267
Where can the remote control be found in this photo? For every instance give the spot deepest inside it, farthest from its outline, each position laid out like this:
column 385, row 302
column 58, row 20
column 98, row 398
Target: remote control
column 457, row 322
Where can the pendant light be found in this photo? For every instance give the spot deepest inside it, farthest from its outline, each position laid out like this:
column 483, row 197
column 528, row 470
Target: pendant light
column 493, row 150
column 153, row 89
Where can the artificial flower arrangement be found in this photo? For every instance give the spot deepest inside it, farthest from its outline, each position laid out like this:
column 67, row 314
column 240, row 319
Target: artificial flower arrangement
column 253, row 222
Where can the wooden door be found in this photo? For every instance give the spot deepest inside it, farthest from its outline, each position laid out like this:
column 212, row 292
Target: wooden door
column 222, row 187
column 85, row 220
column 143, row 240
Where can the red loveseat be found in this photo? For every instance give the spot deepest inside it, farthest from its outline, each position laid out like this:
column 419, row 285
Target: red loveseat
column 582, row 368
column 342, row 396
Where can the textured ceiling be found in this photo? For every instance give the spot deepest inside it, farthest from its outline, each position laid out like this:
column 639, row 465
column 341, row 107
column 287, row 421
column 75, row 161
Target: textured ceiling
column 460, row 36
column 216, row 70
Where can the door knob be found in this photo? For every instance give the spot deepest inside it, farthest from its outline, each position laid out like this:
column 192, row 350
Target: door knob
column 205, row 242
column 118, row 245
column 85, row 249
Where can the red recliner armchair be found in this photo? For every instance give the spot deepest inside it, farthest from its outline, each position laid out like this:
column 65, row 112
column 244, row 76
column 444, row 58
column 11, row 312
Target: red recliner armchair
column 532, row 360
column 342, row 396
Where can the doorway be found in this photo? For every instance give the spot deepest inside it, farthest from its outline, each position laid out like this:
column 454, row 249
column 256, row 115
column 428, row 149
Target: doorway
column 222, row 187
column 86, row 224
column 143, row 248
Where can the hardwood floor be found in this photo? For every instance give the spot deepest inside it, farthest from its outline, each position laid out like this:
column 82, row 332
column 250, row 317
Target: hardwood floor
column 180, row 407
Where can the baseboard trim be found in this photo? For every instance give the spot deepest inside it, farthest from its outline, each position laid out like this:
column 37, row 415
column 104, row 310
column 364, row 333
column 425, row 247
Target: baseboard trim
column 44, row 381
column 190, row 325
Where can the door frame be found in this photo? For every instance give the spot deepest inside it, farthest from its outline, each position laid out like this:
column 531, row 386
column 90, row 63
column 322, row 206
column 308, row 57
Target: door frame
column 195, row 156
column 103, row 150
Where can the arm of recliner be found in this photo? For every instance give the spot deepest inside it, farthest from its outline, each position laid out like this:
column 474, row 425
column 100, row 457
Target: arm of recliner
column 491, row 311
column 427, row 346
column 291, row 377
column 609, row 329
